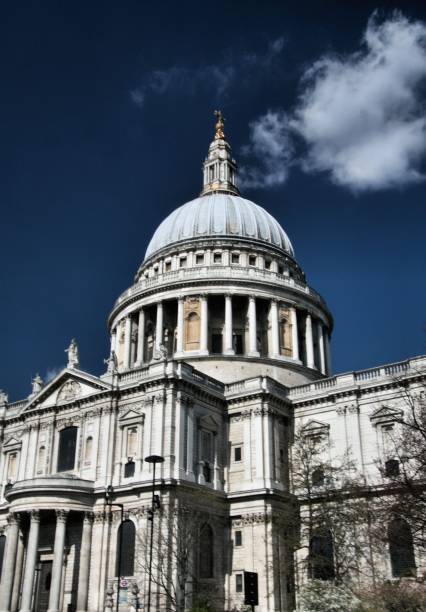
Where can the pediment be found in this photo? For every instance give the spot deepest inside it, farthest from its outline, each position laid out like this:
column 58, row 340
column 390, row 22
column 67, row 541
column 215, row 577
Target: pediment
column 208, row 422
column 314, row 427
column 131, row 415
column 68, row 386
column 12, row 442
column 386, row 414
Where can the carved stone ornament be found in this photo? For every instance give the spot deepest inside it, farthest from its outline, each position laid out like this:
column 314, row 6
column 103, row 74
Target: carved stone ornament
column 341, row 410
column 99, row 516
column 69, row 390
column 251, row 519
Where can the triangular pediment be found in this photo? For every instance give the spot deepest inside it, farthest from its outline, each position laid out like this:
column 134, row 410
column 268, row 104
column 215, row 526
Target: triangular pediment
column 386, row 414
column 12, row 441
column 315, row 427
column 208, row 422
column 68, row 386
column 130, row 415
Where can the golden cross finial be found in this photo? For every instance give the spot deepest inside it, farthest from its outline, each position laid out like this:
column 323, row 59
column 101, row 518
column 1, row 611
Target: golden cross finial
column 220, row 124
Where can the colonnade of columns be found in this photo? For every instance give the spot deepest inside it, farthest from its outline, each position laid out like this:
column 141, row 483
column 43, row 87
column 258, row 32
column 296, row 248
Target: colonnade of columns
column 12, row 584
column 304, row 327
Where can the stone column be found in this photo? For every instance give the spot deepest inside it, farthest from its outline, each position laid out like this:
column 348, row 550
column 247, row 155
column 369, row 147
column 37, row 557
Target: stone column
column 228, row 349
column 141, row 337
column 321, row 347
column 30, row 564
column 159, row 326
column 18, row 574
column 9, row 562
column 327, row 352
column 204, row 325
column 274, row 349
column 309, row 342
column 294, row 334
column 83, row 576
column 253, row 352
column 179, row 330
column 127, row 342
column 58, row 561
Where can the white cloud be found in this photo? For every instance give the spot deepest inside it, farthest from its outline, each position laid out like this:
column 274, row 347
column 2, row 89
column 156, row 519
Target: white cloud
column 270, row 143
column 239, row 69
column 52, row 372
column 360, row 118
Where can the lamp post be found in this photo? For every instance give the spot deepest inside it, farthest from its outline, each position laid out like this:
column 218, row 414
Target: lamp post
column 155, row 504
column 109, row 495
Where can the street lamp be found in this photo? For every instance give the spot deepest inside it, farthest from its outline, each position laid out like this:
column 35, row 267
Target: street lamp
column 155, row 505
column 109, row 495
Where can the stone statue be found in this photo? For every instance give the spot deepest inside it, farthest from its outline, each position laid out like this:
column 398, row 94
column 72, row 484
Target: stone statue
column 219, row 135
column 3, row 397
column 161, row 353
column 72, row 350
column 37, row 384
column 111, row 363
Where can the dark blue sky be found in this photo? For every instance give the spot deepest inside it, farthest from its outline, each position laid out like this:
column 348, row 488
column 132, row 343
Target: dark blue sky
column 87, row 174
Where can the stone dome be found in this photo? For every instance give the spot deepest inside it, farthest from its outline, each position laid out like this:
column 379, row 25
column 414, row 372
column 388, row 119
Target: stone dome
column 219, row 215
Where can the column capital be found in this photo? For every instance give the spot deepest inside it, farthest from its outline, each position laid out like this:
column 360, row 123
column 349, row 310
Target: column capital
column 62, row 515
column 88, row 517
column 35, row 516
column 14, row 518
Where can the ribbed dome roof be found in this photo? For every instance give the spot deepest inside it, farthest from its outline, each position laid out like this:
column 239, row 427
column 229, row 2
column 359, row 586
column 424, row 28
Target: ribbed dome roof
column 219, row 215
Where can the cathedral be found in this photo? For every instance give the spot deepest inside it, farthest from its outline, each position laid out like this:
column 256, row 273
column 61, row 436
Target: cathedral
column 219, row 350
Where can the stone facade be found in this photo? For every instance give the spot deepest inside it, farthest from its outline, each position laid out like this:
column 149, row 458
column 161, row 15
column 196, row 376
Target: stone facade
column 218, row 351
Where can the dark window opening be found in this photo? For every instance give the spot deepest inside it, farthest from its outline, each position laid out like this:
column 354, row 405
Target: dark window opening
column 235, row 258
column 280, row 269
column 168, row 266
column 401, row 549
column 207, row 472
column 199, row 258
column 238, row 344
column 267, row 264
column 252, row 260
column 206, row 552
column 237, row 453
column 318, row 477
column 321, row 556
column 2, row 548
column 129, row 469
column 182, row 262
column 238, row 583
column 67, row 448
column 217, row 343
column 238, row 538
column 125, row 560
column 392, row 468
column 217, row 258
column 48, row 581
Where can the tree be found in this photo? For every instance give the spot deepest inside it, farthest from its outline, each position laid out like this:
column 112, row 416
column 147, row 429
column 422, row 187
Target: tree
column 331, row 532
column 403, row 465
column 181, row 555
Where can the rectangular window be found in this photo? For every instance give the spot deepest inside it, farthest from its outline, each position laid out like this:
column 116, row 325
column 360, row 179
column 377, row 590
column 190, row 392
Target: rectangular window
column 217, row 343
column 199, row 258
column 182, row 262
column 238, row 453
column 12, row 467
column 238, row 583
column 280, row 269
column 217, row 258
column 252, row 260
column 206, row 446
column 235, row 258
column 168, row 266
column 238, row 538
column 267, row 264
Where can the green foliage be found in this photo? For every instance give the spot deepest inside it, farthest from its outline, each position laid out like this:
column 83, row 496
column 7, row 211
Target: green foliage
column 397, row 596
column 323, row 596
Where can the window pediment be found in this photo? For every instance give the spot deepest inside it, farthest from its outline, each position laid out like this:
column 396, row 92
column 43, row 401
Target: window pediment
column 12, row 444
column 315, row 428
column 384, row 415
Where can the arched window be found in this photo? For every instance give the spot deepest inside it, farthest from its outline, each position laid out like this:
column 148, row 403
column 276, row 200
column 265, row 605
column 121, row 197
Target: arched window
column 206, row 552
column 41, row 459
column 401, row 549
column 321, row 556
column 2, row 549
column 125, row 565
column 318, row 477
column 88, row 449
column 67, row 448
column 12, row 467
column 193, row 329
column 132, row 441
